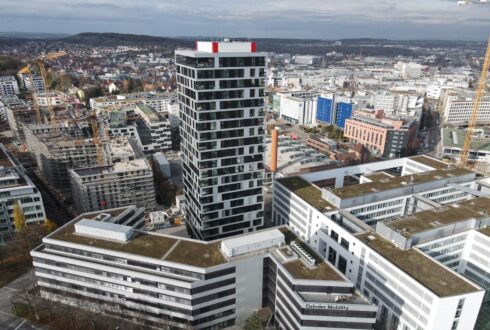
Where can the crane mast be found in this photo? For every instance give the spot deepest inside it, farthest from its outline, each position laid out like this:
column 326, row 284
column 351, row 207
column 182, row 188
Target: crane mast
column 465, row 152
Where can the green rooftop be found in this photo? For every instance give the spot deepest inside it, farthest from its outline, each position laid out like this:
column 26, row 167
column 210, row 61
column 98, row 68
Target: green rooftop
column 322, row 271
column 308, row 192
column 378, row 176
column 430, row 219
column 420, row 267
column 196, row 254
column 452, row 137
column 397, row 182
column 143, row 244
column 437, row 164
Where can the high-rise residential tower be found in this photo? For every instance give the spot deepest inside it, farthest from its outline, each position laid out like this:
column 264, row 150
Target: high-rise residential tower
column 221, row 95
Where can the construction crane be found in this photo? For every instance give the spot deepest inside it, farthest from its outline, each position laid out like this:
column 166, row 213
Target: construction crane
column 39, row 62
column 465, row 152
column 96, row 136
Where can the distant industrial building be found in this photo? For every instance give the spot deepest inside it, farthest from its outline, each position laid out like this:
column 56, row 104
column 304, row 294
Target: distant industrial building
column 8, row 86
column 334, row 110
column 15, row 186
column 386, row 137
column 409, row 70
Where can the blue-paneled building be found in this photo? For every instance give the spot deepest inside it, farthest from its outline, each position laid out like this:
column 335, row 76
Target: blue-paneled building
column 324, row 110
column 343, row 112
column 332, row 111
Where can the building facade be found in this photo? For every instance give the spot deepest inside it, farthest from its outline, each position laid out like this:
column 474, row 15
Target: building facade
column 15, row 186
column 8, row 86
column 382, row 136
column 397, row 235
column 105, row 187
column 334, row 110
column 97, row 261
column 221, row 99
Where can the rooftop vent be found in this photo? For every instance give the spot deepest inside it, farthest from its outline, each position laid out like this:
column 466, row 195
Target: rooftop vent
column 104, row 230
column 371, row 237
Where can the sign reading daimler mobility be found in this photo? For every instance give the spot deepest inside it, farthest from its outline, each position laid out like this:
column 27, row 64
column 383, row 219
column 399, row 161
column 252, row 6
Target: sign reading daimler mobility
column 327, row 306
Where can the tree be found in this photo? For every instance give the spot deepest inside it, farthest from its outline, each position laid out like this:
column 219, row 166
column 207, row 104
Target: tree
column 19, row 217
column 253, row 323
column 49, row 226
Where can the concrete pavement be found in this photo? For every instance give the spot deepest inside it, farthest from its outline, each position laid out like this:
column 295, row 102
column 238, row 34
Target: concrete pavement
column 8, row 321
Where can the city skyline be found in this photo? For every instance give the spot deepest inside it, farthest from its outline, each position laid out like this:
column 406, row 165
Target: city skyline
column 436, row 19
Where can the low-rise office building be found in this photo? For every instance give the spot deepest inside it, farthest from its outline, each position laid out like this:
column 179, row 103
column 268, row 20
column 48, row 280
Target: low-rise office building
column 357, row 228
column 165, row 281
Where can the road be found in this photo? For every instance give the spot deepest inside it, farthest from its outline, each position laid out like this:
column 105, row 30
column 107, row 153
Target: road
column 7, row 320
column 54, row 210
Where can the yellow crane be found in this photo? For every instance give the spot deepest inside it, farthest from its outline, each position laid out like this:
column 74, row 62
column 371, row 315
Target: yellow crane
column 39, row 62
column 98, row 145
column 465, row 152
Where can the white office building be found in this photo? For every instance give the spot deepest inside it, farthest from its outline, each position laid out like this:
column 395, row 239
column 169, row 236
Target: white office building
column 8, row 86
column 299, row 108
column 382, row 233
column 457, row 108
column 15, row 186
column 221, row 95
column 164, row 281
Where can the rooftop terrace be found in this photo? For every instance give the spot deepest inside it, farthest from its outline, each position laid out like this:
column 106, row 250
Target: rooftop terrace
column 397, row 182
column 308, row 192
column 440, row 280
column 297, row 269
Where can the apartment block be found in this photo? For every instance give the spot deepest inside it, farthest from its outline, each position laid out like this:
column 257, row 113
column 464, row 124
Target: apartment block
column 157, row 101
column 57, row 151
column 396, row 235
column 15, row 186
column 8, row 86
column 112, row 186
column 221, row 95
column 387, row 137
column 154, row 129
column 165, row 281
column 36, row 85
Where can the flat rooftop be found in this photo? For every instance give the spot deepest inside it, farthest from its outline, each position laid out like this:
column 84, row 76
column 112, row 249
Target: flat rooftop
column 308, row 192
column 485, row 231
column 430, row 219
column 435, row 277
column 118, row 167
column 378, row 176
column 298, row 270
column 437, row 164
column 397, row 182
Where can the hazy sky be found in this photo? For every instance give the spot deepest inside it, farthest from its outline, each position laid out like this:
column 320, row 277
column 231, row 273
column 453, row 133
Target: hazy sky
column 327, row 19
